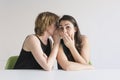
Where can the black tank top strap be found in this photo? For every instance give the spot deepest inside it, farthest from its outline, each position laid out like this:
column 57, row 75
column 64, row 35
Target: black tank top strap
column 37, row 37
column 42, row 42
column 46, row 48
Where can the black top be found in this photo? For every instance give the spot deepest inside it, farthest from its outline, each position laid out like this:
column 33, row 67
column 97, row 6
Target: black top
column 67, row 53
column 27, row 61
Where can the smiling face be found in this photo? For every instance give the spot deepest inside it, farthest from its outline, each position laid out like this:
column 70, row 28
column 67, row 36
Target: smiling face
column 66, row 27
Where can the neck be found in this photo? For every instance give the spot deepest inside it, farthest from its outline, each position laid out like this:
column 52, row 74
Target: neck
column 44, row 38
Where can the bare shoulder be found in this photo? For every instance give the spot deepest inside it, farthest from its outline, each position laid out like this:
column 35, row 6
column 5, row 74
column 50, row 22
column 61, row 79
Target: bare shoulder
column 30, row 41
column 31, row 37
column 84, row 37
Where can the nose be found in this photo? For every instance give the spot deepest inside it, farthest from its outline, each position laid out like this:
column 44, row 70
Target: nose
column 64, row 30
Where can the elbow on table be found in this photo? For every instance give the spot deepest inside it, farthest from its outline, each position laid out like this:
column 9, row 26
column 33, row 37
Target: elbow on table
column 67, row 68
column 48, row 68
column 84, row 62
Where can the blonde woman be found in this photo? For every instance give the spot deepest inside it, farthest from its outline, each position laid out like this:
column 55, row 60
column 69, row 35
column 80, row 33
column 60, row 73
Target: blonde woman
column 37, row 51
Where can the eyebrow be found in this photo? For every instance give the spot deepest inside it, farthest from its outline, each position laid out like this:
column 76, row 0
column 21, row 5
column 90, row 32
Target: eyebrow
column 65, row 24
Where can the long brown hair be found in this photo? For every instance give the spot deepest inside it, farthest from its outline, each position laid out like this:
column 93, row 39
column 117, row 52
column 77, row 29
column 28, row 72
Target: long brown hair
column 77, row 37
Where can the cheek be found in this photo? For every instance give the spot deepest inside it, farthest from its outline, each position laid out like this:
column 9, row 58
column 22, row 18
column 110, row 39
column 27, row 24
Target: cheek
column 70, row 33
column 53, row 29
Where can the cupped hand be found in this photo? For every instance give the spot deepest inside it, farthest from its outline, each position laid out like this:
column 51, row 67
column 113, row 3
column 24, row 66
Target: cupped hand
column 56, row 37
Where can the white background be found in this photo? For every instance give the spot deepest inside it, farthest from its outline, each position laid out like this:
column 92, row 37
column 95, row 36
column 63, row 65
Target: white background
column 98, row 19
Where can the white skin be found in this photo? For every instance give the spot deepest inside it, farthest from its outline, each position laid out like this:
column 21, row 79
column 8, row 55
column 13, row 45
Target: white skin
column 67, row 32
column 32, row 44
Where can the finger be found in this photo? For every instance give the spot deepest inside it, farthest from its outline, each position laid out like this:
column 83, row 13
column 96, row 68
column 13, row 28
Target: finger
column 66, row 39
column 67, row 36
column 61, row 33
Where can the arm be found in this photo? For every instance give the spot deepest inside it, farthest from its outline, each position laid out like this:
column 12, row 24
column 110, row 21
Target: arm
column 69, row 65
column 84, row 56
column 45, row 62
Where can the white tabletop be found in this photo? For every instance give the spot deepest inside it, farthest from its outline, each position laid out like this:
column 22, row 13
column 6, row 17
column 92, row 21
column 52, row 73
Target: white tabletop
column 104, row 74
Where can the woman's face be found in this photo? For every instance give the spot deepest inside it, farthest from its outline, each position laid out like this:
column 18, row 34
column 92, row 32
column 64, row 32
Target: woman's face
column 66, row 27
column 51, row 28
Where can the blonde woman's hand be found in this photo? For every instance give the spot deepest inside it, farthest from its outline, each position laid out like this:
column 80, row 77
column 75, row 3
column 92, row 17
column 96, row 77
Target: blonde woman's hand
column 56, row 37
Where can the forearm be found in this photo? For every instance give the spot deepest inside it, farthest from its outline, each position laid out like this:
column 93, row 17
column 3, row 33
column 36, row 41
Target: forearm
column 51, row 59
column 78, row 58
column 77, row 66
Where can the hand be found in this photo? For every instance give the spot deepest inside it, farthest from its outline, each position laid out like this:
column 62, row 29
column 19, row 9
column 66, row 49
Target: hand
column 68, row 40
column 56, row 37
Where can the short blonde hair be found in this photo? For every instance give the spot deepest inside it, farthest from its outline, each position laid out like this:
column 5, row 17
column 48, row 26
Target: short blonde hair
column 43, row 20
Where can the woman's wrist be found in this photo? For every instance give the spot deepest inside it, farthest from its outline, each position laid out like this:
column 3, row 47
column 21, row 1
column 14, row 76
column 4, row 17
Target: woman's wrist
column 56, row 44
column 72, row 47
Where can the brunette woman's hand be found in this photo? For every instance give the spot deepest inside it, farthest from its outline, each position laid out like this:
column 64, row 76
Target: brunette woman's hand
column 68, row 40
